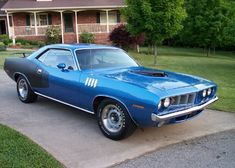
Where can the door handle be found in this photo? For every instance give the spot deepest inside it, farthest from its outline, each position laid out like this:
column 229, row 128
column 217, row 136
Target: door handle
column 39, row 71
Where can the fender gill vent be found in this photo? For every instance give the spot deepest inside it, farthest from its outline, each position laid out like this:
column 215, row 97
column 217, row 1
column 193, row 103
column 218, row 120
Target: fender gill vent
column 150, row 73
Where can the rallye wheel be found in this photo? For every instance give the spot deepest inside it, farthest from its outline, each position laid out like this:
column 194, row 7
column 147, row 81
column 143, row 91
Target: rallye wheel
column 24, row 91
column 114, row 120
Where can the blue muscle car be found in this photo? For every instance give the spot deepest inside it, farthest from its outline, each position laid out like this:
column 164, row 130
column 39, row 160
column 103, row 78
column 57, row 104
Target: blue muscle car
column 105, row 81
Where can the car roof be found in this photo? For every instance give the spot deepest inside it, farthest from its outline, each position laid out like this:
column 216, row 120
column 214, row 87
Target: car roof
column 80, row 46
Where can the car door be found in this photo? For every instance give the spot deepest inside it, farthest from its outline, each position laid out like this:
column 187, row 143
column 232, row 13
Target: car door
column 63, row 84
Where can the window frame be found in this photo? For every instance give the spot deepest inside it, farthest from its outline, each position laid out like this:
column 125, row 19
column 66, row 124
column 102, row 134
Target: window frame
column 38, row 19
column 76, row 66
column 103, row 14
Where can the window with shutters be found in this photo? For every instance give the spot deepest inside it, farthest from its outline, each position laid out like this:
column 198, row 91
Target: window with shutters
column 42, row 19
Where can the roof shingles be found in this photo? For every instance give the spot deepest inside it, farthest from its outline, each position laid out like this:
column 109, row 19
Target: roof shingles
column 2, row 2
column 60, row 4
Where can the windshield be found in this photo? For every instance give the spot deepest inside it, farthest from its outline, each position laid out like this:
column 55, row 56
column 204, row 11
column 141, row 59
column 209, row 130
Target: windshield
column 103, row 58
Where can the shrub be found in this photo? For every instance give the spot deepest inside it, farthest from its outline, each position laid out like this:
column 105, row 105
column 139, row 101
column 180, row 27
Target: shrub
column 22, row 41
column 120, row 37
column 5, row 39
column 86, row 37
column 29, row 43
column 2, row 46
column 53, row 35
column 41, row 44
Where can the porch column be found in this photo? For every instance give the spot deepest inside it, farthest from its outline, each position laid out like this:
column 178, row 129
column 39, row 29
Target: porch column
column 35, row 23
column 107, row 20
column 76, row 25
column 13, row 28
column 8, row 25
column 62, row 26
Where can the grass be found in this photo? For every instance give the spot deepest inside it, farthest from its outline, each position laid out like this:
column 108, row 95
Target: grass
column 219, row 68
column 6, row 54
column 17, row 150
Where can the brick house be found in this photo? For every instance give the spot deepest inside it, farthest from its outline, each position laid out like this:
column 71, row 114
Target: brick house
column 29, row 19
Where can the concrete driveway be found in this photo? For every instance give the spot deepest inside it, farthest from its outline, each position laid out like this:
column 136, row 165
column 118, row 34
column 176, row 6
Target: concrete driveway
column 74, row 138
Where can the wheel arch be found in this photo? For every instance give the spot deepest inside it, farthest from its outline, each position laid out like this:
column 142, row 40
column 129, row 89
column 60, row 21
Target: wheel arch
column 16, row 76
column 99, row 98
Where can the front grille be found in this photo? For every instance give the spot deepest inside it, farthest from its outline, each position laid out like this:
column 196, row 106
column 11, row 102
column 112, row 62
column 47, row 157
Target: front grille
column 183, row 99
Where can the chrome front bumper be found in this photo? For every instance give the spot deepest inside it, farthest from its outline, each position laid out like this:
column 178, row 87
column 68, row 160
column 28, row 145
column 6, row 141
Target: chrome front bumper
column 157, row 118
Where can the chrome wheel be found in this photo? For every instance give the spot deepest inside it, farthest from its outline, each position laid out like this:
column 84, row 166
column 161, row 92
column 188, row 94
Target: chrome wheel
column 23, row 88
column 112, row 118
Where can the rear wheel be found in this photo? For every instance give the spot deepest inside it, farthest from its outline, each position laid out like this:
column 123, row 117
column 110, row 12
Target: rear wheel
column 24, row 91
column 114, row 120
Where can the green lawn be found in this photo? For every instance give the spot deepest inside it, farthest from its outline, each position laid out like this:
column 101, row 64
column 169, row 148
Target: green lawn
column 5, row 54
column 219, row 68
column 18, row 151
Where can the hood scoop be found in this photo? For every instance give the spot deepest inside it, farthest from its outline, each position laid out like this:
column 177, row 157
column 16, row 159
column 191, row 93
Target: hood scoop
column 149, row 73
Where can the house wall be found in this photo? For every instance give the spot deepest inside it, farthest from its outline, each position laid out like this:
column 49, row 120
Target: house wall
column 84, row 17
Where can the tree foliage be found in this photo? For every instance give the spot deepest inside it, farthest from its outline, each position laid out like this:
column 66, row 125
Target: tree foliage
column 157, row 19
column 122, row 38
column 210, row 24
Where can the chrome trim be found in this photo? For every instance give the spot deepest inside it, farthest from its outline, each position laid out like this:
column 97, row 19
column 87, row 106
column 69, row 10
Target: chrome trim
column 157, row 118
column 79, row 108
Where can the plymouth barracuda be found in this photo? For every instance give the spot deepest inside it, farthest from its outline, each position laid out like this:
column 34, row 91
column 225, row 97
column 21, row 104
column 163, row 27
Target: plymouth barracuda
column 105, row 81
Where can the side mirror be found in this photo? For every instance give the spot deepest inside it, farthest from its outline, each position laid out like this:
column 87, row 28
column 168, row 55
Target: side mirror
column 61, row 66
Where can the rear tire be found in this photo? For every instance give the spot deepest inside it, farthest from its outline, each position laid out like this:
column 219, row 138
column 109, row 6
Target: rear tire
column 24, row 91
column 114, row 120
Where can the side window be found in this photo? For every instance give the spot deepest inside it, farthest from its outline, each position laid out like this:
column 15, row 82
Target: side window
column 53, row 57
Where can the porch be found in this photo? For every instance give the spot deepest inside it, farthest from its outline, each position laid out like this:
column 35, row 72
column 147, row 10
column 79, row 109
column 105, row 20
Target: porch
column 70, row 23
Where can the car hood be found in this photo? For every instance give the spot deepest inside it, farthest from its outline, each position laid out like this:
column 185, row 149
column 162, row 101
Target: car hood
column 154, row 79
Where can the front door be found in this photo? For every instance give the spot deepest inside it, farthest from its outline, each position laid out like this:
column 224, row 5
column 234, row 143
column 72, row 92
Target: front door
column 3, row 27
column 63, row 84
column 68, row 22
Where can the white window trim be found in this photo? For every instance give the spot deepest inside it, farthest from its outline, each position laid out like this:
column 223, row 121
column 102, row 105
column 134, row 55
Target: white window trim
column 38, row 21
column 111, row 23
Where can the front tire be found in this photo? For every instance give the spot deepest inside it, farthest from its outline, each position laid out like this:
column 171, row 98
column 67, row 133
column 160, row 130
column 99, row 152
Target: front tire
column 114, row 120
column 24, row 91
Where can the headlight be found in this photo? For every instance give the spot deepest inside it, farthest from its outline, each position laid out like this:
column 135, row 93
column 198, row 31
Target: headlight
column 209, row 91
column 204, row 93
column 167, row 102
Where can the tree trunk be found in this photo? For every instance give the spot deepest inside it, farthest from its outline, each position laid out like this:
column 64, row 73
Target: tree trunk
column 214, row 51
column 138, row 48
column 155, row 54
column 208, row 52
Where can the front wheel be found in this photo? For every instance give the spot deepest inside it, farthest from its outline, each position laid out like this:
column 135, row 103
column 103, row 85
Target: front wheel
column 114, row 120
column 24, row 91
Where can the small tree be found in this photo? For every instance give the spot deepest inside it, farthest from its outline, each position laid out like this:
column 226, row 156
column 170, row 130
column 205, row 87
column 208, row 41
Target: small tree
column 122, row 38
column 53, row 35
column 86, row 37
column 157, row 19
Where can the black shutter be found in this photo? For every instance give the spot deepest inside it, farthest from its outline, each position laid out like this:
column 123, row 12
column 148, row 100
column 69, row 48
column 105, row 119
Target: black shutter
column 27, row 20
column 49, row 19
column 118, row 17
column 98, row 17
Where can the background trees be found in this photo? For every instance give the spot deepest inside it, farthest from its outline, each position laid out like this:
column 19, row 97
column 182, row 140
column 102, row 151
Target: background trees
column 209, row 24
column 157, row 19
